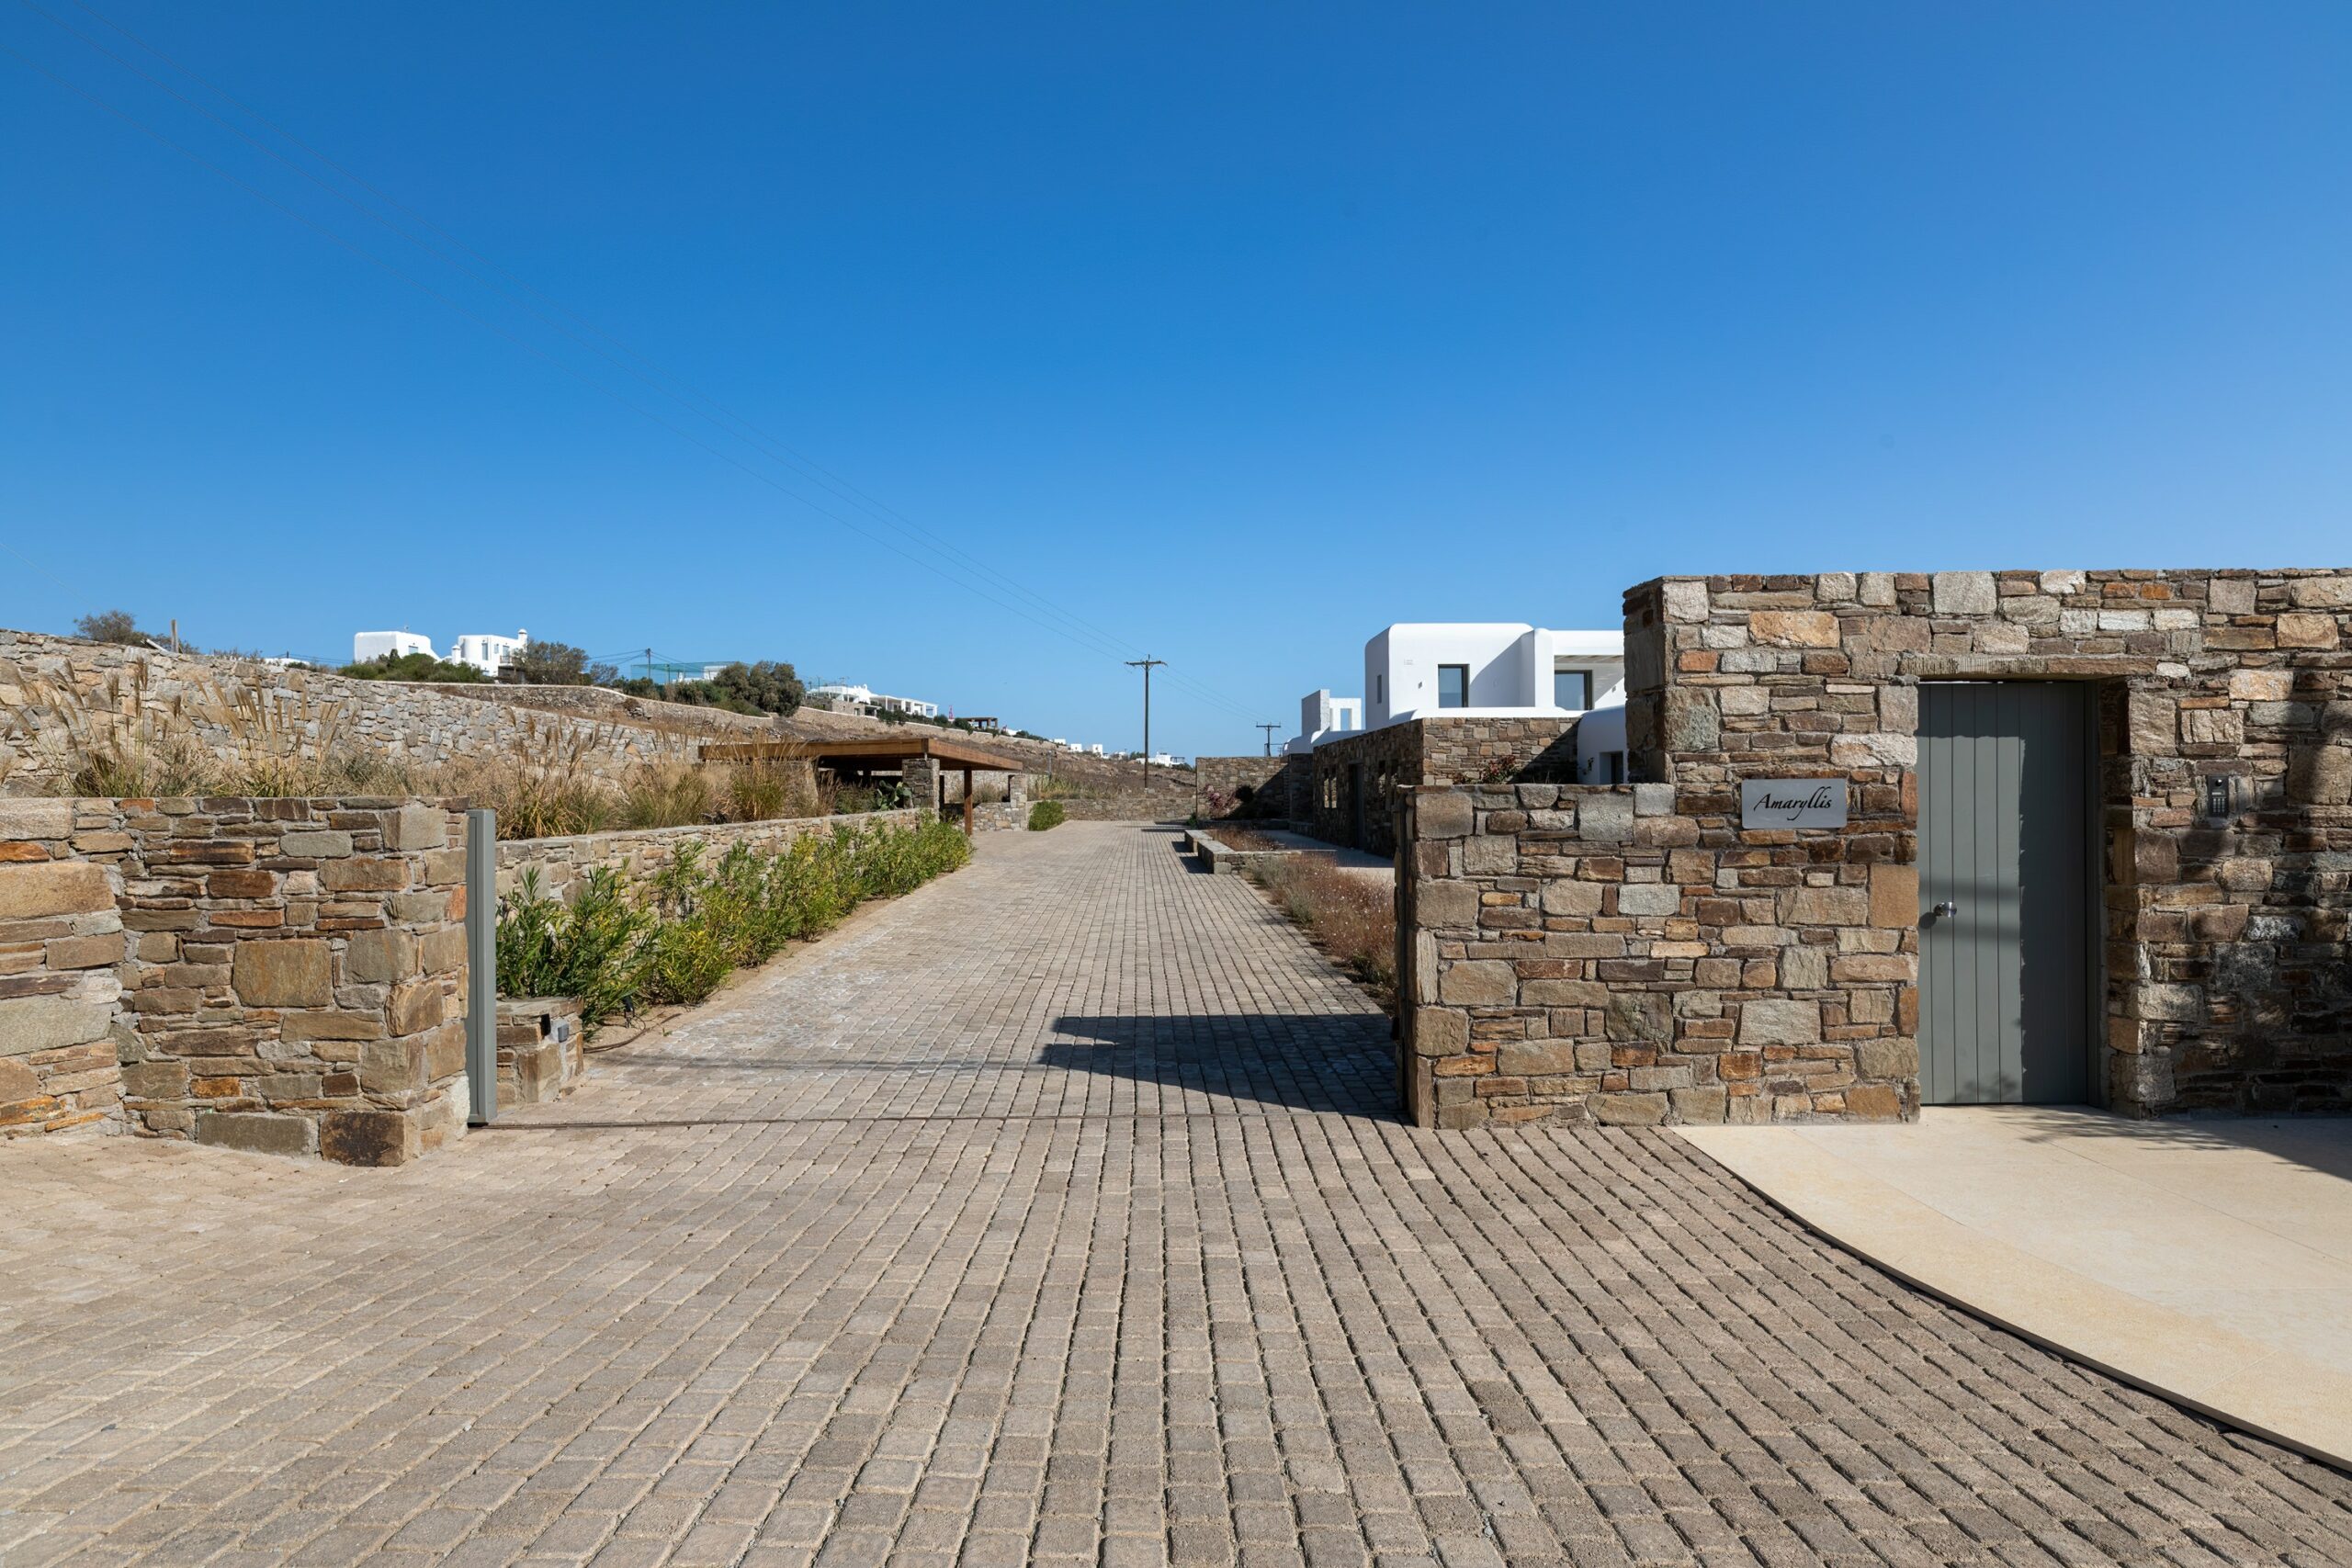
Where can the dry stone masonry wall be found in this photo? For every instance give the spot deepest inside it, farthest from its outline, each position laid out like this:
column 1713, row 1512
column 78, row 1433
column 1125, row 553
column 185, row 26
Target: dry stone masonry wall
column 58, row 696
column 62, row 948
column 282, row 975
column 1623, row 954
column 1354, row 779
column 2224, row 941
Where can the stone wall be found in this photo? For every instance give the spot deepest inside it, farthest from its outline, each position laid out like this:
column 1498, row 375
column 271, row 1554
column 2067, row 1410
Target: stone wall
column 602, row 705
column 1221, row 784
column 1626, row 955
column 1424, row 751
column 638, row 854
column 2225, row 941
column 289, row 972
column 62, row 946
column 59, row 696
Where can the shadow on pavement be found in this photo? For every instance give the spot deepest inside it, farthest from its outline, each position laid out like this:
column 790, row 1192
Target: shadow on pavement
column 1336, row 1062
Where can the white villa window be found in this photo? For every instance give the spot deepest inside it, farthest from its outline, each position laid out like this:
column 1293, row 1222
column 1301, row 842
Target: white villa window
column 1571, row 689
column 1453, row 685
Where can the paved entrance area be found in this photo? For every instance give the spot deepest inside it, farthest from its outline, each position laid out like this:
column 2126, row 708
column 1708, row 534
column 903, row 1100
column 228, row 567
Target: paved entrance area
column 1052, row 1215
column 2209, row 1261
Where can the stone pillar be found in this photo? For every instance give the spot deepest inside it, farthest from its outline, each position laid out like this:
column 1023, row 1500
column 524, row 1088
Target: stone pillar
column 922, row 777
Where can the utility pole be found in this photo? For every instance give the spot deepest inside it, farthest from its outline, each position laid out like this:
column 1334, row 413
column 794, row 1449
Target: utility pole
column 1146, row 665
column 1270, row 729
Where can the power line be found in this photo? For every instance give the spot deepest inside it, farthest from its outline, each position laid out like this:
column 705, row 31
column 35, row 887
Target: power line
column 1078, row 629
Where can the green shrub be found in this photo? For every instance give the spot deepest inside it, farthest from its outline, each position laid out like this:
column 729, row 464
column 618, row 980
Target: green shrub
column 413, row 667
column 592, row 948
column 1046, row 814
column 701, row 921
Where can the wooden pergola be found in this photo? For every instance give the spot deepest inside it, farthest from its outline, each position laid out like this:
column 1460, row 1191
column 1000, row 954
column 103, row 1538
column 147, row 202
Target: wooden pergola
column 863, row 756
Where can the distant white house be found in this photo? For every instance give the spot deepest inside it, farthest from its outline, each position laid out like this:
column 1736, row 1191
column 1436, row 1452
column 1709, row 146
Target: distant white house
column 489, row 653
column 1095, row 749
column 368, row 646
column 1322, row 716
column 1488, row 669
column 865, row 699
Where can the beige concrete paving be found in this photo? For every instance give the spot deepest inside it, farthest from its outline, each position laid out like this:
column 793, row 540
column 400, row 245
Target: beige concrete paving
column 2207, row 1260
column 1056, row 1213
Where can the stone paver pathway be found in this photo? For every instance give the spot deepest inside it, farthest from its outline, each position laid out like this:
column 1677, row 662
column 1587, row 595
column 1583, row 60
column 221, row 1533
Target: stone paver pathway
column 1052, row 1215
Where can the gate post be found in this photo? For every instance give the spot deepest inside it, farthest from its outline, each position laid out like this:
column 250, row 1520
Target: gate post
column 482, row 965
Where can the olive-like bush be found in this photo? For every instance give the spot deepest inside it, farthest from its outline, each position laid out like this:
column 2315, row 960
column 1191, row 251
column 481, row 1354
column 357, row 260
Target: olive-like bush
column 1046, row 814
column 701, row 923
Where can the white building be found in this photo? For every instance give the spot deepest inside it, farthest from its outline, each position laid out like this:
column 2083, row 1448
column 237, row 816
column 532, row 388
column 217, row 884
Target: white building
column 1488, row 669
column 1600, row 746
column 1322, row 716
column 489, row 653
column 368, row 646
column 840, row 694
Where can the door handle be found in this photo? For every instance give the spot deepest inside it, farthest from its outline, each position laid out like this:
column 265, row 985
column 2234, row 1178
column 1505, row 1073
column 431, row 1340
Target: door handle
column 1945, row 907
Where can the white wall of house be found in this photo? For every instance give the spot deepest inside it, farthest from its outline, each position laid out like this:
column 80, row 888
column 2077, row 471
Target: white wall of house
column 1509, row 665
column 368, row 646
column 1600, row 746
column 489, row 652
column 840, row 692
column 1322, row 716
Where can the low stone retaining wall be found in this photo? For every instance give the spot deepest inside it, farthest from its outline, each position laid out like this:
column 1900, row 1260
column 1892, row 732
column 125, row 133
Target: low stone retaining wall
column 1228, row 860
column 1628, row 954
column 1351, row 781
column 542, row 1049
column 638, row 854
column 283, row 976
column 992, row 816
column 61, row 943
column 58, row 696
column 1247, row 787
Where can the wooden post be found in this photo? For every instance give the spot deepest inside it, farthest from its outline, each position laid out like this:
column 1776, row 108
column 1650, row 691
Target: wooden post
column 968, row 803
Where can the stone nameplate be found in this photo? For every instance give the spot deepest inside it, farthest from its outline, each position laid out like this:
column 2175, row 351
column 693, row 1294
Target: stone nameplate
column 1792, row 803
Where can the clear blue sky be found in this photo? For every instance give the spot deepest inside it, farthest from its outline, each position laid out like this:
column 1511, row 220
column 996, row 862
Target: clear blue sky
column 1241, row 332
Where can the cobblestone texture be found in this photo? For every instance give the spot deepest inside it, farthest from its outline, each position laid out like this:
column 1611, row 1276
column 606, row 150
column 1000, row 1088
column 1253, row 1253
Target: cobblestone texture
column 1057, row 1213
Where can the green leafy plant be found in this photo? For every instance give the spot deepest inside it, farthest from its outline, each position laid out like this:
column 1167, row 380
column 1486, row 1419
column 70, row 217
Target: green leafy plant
column 592, row 948
column 113, row 625
column 1046, row 814
column 415, row 667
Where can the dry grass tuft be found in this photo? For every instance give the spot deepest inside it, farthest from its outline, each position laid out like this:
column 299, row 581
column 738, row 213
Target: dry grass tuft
column 1351, row 918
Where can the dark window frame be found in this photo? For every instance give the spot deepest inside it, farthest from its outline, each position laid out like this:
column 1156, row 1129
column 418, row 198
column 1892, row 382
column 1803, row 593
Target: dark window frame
column 1465, row 700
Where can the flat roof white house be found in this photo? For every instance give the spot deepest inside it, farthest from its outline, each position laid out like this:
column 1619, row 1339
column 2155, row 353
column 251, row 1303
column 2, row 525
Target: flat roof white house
column 1488, row 669
column 489, row 652
column 1322, row 716
column 368, row 646
column 837, row 692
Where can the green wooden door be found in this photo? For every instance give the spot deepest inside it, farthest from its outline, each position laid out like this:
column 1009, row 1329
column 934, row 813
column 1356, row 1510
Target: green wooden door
column 2004, row 892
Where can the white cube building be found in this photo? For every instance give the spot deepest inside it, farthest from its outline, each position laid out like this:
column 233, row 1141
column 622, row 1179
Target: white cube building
column 489, row 653
column 1488, row 669
column 1322, row 716
column 368, row 646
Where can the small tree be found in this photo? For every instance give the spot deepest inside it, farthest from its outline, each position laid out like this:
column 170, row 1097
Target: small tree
column 112, row 626
column 555, row 664
column 769, row 686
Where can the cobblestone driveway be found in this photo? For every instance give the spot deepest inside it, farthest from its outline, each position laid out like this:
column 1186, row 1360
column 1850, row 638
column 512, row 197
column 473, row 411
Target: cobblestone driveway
column 1050, row 1215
